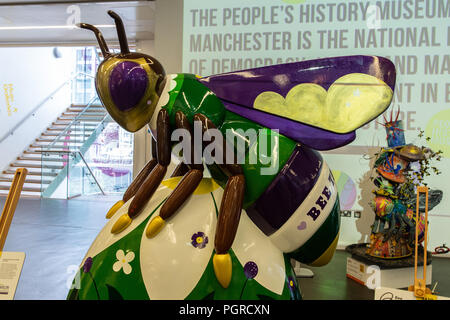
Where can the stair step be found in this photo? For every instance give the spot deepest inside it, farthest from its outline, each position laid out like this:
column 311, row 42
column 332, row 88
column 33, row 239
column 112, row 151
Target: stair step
column 61, row 129
column 54, row 135
column 28, row 151
column 84, row 106
column 40, row 159
column 21, row 165
column 57, row 143
column 30, row 189
column 23, row 194
column 36, row 181
column 82, row 119
column 52, row 150
column 88, row 111
column 67, row 122
column 94, row 114
column 33, row 173
column 59, row 140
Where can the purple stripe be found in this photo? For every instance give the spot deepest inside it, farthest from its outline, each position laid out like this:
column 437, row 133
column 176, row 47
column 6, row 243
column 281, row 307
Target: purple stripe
column 313, row 137
column 287, row 191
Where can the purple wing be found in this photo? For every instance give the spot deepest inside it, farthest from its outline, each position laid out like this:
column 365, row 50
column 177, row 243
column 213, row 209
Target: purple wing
column 238, row 90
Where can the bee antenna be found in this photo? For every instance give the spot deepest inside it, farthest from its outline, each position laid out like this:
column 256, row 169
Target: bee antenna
column 99, row 36
column 398, row 113
column 384, row 125
column 120, row 32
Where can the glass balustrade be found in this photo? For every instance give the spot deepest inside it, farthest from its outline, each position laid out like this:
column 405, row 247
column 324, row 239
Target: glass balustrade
column 110, row 157
column 91, row 155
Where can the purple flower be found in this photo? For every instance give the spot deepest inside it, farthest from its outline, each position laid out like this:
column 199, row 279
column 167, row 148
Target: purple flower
column 250, row 270
column 292, row 286
column 291, row 283
column 199, row 240
column 87, row 265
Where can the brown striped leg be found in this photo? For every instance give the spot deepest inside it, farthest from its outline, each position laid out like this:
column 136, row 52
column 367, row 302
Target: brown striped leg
column 229, row 212
column 185, row 187
column 137, row 182
column 153, row 180
column 180, row 170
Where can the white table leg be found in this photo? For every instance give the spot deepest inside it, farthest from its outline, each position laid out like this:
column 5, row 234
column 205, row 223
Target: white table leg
column 302, row 272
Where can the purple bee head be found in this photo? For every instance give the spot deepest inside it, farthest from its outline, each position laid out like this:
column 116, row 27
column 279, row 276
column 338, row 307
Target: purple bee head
column 127, row 84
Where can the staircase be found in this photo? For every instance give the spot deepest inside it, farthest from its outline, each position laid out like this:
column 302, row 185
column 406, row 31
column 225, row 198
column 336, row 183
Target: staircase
column 74, row 130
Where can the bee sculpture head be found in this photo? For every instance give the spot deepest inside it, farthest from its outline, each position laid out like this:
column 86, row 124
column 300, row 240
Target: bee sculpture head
column 129, row 84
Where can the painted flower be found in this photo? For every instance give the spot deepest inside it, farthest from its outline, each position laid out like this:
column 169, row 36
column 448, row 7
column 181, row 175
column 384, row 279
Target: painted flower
column 291, row 283
column 199, row 240
column 123, row 261
column 87, row 265
column 250, row 270
column 293, row 289
column 292, row 286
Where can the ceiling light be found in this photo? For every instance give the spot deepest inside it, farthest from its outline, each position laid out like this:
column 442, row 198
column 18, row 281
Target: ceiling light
column 54, row 27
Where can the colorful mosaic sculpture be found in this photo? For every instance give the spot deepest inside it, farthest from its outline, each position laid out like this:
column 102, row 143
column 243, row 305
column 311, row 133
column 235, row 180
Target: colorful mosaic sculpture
column 398, row 167
column 281, row 197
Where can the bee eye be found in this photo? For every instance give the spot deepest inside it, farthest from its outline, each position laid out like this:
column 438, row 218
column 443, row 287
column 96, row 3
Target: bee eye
column 127, row 84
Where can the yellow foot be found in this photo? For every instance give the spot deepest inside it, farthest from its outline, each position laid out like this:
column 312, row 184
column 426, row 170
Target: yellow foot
column 121, row 224
column 114, row 209
column 222, row 268
column 154, row 227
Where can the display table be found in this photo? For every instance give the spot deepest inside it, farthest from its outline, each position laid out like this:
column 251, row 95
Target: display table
column 393, row 273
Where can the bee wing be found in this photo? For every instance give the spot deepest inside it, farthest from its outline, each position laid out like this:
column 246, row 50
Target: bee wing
column 317, row 102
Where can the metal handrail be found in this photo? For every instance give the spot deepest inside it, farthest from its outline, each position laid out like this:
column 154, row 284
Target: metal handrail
column 82, row 158
column 42, row 103
column 92, row 174
column 51, row 144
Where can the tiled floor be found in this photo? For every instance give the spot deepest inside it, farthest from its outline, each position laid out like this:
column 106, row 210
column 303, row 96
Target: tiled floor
column 56, row 234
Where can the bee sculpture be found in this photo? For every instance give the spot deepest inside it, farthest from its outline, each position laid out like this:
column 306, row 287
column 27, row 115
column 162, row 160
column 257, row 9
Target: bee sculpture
column 298, row 107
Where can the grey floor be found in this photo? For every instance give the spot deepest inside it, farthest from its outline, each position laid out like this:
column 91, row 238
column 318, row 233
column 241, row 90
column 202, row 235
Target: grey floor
column 56, row 234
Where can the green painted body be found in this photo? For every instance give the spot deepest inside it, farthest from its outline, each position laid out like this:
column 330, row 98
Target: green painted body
column 192, row 97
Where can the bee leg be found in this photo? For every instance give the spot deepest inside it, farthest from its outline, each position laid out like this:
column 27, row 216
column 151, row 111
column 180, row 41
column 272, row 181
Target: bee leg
column 137, row 182
column 153, row 180
column 180, row 170
column 185, row 187
column 230, row 209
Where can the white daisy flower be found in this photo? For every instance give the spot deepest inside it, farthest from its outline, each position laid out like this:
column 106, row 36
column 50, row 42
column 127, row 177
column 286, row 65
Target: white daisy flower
column 123, row 261
column 164, row 99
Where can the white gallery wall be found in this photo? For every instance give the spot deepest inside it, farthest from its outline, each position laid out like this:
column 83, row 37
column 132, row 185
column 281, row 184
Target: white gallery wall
column 28, row 76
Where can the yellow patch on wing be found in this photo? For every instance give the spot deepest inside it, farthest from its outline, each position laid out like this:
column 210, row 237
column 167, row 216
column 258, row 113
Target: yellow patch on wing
column 351, row 101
